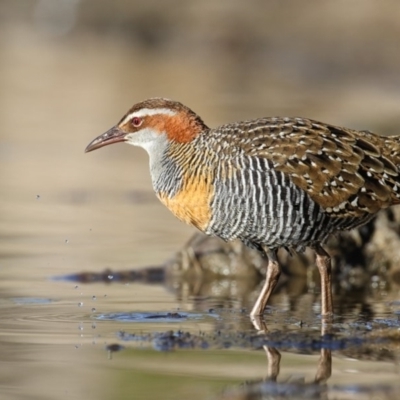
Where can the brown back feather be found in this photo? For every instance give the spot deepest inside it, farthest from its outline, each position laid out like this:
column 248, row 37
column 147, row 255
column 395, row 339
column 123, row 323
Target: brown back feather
column 347, row 172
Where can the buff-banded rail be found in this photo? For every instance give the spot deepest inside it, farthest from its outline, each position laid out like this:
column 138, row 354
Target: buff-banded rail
column 270, row 182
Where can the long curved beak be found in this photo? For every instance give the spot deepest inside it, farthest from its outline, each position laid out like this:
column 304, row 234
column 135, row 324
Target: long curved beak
column 113, row 135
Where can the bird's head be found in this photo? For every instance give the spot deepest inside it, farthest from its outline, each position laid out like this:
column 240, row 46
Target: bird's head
column 152, row 122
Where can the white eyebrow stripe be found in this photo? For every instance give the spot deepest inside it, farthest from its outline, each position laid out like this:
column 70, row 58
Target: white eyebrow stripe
column 149, row 111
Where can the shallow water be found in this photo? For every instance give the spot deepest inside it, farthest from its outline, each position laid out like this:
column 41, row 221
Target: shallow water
column 64, row 213
column 63, row 339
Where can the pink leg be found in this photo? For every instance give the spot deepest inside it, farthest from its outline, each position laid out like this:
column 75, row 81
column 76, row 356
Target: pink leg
column 323, row 261
column 271, row 279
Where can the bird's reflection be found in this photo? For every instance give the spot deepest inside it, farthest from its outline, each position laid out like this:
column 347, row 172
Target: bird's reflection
column 271, row 388
column 323, row 371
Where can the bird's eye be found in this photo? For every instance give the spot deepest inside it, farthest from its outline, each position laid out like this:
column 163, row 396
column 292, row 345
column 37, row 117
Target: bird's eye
column 136, row 121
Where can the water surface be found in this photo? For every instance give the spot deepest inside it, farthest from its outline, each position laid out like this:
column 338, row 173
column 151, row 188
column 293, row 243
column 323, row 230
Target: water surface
column 64, row 213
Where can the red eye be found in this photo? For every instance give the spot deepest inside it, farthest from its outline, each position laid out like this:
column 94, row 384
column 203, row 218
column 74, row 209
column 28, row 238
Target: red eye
column 136, row 121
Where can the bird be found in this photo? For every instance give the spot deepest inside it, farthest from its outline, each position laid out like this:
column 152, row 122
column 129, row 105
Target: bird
column 271, row 182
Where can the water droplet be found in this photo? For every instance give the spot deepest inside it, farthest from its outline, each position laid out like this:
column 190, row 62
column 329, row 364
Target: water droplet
column 38, row 197
column 66, row 241
column 93, row 309
column 94, row 325
column 105, row 295
column 80, row 327
column 80, row 304
column 76, row 287
column 93, row 298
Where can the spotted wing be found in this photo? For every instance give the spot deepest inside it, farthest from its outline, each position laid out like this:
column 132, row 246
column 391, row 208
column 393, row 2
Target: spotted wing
column 348, row 173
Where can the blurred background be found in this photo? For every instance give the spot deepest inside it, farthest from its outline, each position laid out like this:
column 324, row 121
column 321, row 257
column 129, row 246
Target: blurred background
column 69, row 70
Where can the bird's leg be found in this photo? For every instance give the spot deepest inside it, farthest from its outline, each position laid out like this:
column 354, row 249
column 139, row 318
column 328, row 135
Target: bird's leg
column 271, row 279
column 323, row 261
